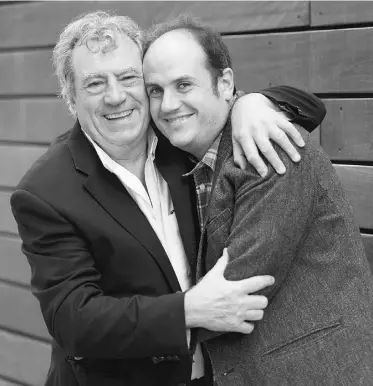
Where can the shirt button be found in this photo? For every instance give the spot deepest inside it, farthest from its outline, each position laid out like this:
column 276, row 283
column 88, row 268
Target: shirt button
column 202, row 187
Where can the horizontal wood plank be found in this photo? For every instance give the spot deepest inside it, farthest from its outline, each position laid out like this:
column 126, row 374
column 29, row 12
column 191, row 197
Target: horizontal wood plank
column 27, row 25
column 33, row 120
column 13, row 263
column 20, row 311
column 318, row 61
column 329, row 61
column 368, row 243
column 324, row 13
column 3, row 382
column 15, row 161
column 346, row 132
column 358, row 183
column 27, row 73
column 24, row 359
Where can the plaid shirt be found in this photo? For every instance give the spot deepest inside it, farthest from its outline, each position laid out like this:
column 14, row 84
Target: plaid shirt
column 203, row 174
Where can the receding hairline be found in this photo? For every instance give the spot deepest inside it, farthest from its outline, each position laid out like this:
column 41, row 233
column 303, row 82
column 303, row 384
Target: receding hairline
column 185, row 32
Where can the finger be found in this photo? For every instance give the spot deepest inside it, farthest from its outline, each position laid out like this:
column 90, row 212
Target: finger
column 253, row 157
column 254, row 315
column 283, row 141
column 255, row 302
column 290, row 130
column 245, row 328
column 254, row 283
column 238, row 155
column 271, row 155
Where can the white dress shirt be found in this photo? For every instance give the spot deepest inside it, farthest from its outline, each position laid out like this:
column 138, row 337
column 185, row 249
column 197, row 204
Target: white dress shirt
column 156, row 204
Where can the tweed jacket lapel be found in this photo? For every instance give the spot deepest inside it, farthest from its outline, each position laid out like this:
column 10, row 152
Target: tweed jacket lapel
column 109, row 192
column 224, row 151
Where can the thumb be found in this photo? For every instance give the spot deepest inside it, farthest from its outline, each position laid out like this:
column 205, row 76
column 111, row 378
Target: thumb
column 222, row 263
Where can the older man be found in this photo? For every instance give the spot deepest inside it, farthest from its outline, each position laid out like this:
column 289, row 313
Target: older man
column 318, row 327
column 108, row 226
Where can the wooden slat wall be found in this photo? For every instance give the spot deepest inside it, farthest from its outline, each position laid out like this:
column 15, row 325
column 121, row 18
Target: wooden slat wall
column 324, row 47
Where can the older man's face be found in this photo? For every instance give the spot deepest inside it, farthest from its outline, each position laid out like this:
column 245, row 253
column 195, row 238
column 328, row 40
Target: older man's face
column 182, row 100
column 110, row 98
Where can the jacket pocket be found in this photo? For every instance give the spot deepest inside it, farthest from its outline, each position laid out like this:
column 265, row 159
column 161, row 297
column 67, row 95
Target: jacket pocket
column 302, row 342
column 219, row 223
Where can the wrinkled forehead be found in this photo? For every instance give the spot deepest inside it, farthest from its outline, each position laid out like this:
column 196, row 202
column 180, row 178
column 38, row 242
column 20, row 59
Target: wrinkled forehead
column 97, row 55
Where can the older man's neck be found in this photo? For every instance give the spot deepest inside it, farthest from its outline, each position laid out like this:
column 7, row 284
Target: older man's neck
column 132, row 158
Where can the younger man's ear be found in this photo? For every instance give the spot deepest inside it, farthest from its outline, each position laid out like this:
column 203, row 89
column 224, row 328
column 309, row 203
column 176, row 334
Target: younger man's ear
column 226, row 83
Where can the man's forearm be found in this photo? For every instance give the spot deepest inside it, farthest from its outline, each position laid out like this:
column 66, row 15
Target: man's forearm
column 306, row 109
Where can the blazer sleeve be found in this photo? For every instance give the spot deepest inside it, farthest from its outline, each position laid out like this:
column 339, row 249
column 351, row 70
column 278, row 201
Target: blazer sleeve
column 271, row 216
column 306, row 109
column 79, row 316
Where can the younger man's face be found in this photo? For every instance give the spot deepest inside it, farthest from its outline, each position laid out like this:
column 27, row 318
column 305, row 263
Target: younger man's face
column 183, row 103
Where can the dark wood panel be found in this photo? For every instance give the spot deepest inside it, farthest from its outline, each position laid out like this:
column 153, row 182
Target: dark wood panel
column 20, row 311
column 346, row 132
column 13, row 263
column 340, row 12
column 29, row 72
column 33, row 120
column 40, row 24
column 358, row 183
column 7, row 222
column 15, row 161
column 318, row 61
column 368, row 243
column 23, row 359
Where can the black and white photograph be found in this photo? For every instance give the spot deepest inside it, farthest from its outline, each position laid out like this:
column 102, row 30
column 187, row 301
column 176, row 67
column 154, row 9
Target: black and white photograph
column 186, row 193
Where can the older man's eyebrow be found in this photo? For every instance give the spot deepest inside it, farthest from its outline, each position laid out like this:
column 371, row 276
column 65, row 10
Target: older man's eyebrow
column 89, row 77
column 94, row 75
column 129, row 70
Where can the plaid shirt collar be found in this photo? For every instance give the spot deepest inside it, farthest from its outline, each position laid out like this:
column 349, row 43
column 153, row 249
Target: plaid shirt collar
column 203, row 174
column 209, row 159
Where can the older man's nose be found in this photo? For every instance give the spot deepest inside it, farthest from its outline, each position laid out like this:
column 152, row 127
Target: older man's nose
column 115, row 94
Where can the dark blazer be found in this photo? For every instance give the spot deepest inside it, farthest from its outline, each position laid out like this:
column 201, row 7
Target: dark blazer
column 105, row 285
column 298, row 227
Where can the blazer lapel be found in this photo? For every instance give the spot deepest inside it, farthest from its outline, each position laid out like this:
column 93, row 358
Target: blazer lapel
column 109, row 192
column 173, row 163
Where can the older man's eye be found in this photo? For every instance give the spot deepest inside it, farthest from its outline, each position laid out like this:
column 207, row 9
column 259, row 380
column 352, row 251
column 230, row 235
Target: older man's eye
column 129, row 80
column 95, row 86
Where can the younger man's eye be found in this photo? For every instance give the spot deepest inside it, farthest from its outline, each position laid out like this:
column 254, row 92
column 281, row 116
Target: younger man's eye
column 184, row 86
column 154, row 91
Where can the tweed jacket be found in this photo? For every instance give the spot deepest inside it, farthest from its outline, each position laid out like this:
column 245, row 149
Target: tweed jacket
column 300, row 228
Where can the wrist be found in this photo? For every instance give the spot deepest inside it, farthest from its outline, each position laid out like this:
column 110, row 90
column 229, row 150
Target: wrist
column 190, row 309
